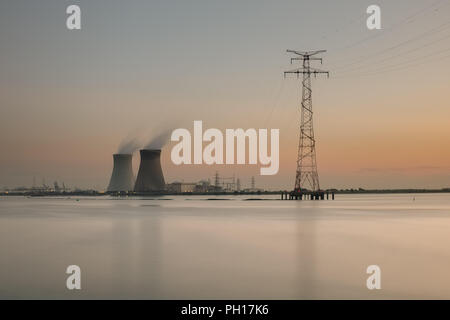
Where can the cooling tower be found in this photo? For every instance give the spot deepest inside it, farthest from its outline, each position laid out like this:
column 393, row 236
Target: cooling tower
column 150, row 176
column 122, row 178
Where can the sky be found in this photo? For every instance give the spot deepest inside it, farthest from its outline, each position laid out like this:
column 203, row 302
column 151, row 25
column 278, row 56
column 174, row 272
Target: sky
column 68, row 98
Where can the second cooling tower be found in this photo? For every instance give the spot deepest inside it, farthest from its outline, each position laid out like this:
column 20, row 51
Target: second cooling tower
column 150, row 177
column 122, row 178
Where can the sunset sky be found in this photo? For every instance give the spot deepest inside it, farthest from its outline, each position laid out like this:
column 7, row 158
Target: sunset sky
column 68, row 98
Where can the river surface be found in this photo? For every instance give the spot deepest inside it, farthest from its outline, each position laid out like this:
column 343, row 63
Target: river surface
column 225, row 247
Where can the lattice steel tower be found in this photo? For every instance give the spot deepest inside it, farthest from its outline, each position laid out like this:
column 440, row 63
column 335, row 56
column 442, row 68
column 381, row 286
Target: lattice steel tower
column 306, row 176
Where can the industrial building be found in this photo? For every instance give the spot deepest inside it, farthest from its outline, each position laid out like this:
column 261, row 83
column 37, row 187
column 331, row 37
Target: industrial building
column 150, row 177
column 181, row 187
column 191, row 187
column 122, row 178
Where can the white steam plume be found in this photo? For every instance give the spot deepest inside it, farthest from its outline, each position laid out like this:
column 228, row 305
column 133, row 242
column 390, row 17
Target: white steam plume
column 158, row 141
column 129, row 145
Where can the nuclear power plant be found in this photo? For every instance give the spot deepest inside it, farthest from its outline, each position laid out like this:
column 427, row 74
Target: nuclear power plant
column 122, row 178
column 150, row 177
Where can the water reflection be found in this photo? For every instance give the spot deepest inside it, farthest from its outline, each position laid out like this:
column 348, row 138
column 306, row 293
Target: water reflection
column 137, row 255
column 200, row 249
column 306, row 253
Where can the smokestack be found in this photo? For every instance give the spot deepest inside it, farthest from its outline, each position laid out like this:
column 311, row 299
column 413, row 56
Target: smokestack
column 122, row 175
column 150, row 176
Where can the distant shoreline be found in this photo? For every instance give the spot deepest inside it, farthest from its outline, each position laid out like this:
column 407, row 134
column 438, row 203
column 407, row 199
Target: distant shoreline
column 132, row 194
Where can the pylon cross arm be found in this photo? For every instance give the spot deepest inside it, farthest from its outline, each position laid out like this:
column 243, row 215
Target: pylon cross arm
column 302, row 58
column 306, row 71
column 306, row 53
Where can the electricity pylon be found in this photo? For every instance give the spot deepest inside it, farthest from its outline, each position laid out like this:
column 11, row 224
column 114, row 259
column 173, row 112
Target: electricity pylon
column 306, row 176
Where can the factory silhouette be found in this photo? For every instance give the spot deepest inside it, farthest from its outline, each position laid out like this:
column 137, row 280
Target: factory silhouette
column 122, row 177
column 150, row 178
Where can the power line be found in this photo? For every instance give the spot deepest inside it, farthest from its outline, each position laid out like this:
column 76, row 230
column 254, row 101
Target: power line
column 401, row 67
column 361, row 18
column 275, row 105
column 433, row 31
column 401, row 54
column 391, row 28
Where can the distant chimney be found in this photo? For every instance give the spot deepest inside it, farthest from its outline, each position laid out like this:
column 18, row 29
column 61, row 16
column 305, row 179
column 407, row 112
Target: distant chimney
column 150, row 176
column 122, row 178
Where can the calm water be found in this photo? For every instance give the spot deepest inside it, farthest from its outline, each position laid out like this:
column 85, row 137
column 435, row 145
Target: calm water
column 191, row 247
